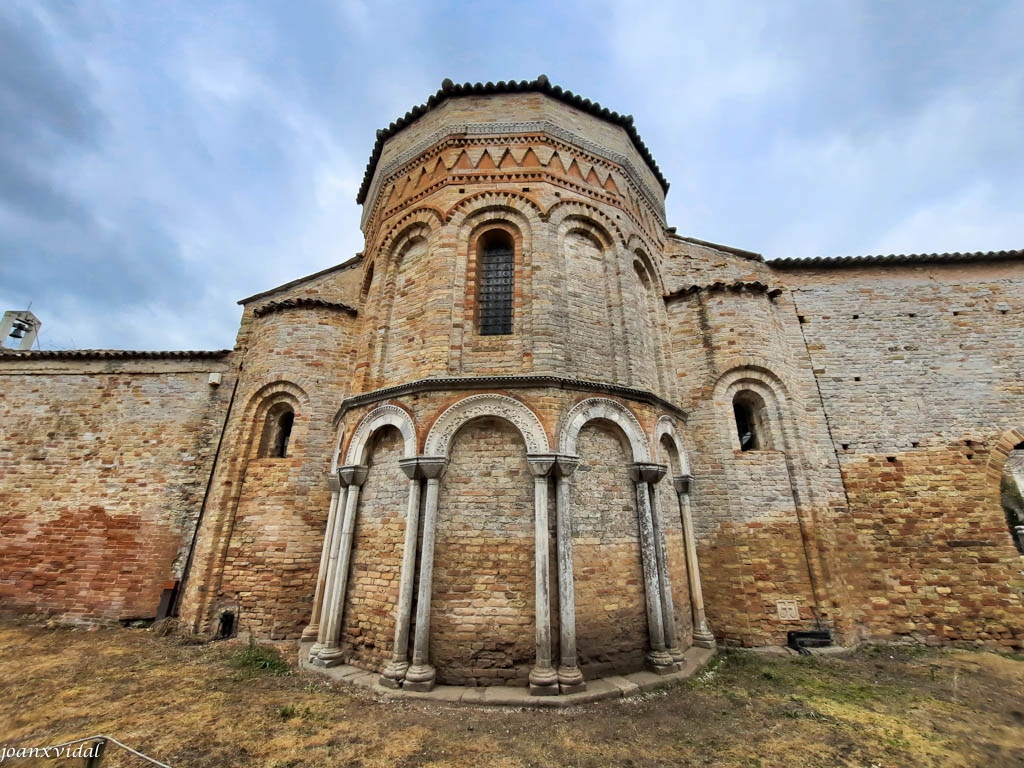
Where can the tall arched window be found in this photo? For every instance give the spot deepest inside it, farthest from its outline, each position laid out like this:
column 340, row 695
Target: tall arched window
column 277, row 432
column 751, row 424
column 495, row 283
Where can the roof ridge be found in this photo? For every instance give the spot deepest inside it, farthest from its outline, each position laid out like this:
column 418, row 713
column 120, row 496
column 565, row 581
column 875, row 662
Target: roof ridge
column 108, row 353
column 451, row 90
column 896, row 259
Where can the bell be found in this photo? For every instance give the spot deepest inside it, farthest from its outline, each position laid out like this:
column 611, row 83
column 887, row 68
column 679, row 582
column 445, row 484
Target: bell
column 18, row 331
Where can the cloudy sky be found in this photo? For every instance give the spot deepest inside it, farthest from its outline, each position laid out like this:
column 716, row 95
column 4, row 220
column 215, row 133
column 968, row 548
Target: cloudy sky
column 160, row 161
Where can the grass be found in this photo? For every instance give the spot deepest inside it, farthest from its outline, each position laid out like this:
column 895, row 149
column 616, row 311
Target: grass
column 239, row 704
column 257, row 659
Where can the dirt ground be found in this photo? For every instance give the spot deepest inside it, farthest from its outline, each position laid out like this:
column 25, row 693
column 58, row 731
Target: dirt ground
column 189, row 706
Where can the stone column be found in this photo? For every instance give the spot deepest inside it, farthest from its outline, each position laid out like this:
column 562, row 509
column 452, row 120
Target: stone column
column 394, row 673
column 420, row 675
column 702, row 635
column 329, row 654
column 312, row 631
column 543, row 678
column 327, row 601
column 570, row 679
column 658, row 659
column 668, row 607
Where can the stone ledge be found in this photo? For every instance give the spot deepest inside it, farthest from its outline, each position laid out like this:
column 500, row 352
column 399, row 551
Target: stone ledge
column 612, row 687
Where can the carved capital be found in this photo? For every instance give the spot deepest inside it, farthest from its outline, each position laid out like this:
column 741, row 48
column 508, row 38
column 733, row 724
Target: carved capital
column 432, row 467
column 353, row 474
column 645, row 472
column 541, row 464
column 333, row 482
column 565, row 464
column 683, row 484
column 411, row 467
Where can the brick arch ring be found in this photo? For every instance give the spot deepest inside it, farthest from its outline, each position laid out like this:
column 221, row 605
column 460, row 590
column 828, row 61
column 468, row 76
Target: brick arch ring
column 609, row 410
column 439, row 438
column 382, row 416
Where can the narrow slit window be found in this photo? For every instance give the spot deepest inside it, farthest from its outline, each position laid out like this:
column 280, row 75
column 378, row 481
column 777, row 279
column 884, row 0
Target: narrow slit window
column 495, row 284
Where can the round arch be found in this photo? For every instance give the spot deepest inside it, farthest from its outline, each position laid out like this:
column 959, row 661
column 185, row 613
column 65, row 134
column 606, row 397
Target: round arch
column 666, row 429
column 609, row 410
column 381, row 416
column 439, row 438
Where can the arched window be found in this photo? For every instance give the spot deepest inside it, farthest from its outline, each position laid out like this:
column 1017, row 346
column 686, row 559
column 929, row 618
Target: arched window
column 751, row 423
column 277, row 431
column 495, row 278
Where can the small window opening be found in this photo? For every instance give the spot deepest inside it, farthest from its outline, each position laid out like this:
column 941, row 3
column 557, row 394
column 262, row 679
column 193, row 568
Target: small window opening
column 748, row 408
column 277, row 432
column 495, row 283
column 1011, row 492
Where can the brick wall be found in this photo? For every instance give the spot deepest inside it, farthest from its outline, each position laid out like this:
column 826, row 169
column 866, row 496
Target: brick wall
column 368, row 625
column 611, row 618
column 481, row 625
column 920, row 373
column 103, row 467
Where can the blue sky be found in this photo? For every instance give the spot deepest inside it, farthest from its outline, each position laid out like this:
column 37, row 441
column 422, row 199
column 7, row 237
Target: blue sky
column 159, row 161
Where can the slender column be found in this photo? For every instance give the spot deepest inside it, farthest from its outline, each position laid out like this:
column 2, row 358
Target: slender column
column 330, row 654
column 668, row 607
column 420, row 675
column 330, row 582
column 395, row 671
column 313, row 630
column 702, row 635
column 658, row 659
column 543, row 678
column 570, row 679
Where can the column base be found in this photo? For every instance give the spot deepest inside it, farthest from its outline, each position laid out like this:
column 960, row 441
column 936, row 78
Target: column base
column 543, row 681
column 702, row 640
column 393, row 674
column 419, row 677
column 314, row 651
column 660, row 663
column 327, row 657
column 570, row 680
column 310, row 633
column 677, row 654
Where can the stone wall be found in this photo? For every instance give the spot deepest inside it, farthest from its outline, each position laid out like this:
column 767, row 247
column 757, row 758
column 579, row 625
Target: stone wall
column 104, row 461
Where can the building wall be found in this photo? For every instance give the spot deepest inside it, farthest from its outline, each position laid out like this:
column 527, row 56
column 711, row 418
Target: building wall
column 482, row 610
column 920, row 373
column 103, row 468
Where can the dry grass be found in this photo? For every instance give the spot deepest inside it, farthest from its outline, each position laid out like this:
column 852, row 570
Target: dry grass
column 191, row 706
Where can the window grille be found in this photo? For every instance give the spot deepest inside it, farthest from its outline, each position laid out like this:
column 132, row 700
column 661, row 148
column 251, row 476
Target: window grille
column 496, row 282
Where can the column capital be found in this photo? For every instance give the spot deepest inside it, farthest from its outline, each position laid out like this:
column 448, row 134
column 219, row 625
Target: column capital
column 353, row 474
column 646, row 472
column 432, row 467
column 565, row 464
column 411, row 467
column 333, row 482
column 541, row 464
column 683, row 484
